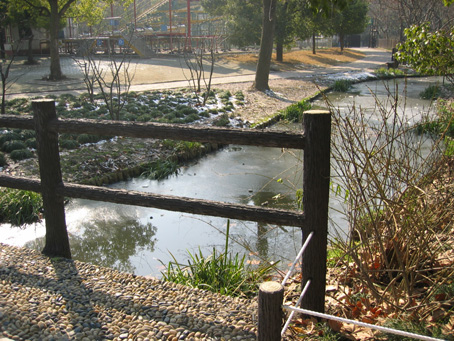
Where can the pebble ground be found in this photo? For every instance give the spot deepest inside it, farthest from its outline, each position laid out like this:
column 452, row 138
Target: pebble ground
column 58, row 299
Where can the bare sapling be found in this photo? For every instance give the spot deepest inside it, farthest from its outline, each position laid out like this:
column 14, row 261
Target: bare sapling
column 198, row 77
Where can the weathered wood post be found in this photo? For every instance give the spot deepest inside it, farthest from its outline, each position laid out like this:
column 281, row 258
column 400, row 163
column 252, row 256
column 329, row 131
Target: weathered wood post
column 57, row 241
column 271, row 296
column 316, row 180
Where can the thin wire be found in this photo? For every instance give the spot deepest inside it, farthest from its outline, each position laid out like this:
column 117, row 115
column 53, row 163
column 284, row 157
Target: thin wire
column 361, row 324
column 306, row 243
column 306, row 286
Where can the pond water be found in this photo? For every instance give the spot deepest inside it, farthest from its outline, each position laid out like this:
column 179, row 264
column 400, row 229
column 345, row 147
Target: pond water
column 140, row 240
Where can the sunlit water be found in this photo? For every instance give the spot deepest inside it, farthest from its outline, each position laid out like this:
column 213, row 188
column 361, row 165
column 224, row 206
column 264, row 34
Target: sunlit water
column 140, row 240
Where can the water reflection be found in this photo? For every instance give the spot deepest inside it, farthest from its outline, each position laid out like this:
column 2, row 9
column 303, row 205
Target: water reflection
column 109, row 242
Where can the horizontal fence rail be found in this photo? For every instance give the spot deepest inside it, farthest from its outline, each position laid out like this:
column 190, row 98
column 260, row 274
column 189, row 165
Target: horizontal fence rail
column 165, row 202
column 164, row 131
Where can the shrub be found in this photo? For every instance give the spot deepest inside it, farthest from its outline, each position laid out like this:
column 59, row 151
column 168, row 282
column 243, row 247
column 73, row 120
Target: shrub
column 432, row 92
column 19, row 207
column 10, row 146
column 21, row 154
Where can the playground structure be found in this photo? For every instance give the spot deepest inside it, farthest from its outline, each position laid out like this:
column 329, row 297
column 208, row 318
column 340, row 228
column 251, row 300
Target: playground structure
column 148, row 27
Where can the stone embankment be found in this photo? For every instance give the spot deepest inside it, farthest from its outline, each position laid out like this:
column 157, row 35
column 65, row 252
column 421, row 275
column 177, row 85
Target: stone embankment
column 59, row 299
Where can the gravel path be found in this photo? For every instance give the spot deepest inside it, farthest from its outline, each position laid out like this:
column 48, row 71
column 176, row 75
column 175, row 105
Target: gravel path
column 58, row 299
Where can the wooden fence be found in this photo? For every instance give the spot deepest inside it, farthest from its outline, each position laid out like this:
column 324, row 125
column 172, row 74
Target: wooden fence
column 315, row 140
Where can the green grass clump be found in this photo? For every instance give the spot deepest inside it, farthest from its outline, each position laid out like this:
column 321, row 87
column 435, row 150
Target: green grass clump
column 294, row 112
column 160, row 169
column 9, row 136
column 19, row 207
column 10, row 146
column 222, row 120
column 219, row 272
column 69, row 144
column 342, row 85
column 21, row 154
column 384, row 73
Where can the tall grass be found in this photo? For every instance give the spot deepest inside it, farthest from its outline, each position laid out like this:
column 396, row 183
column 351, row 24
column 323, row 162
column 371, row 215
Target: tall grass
column 19, row 207
column 219, row 272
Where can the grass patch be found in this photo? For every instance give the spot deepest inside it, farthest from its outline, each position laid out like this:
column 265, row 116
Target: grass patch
column 19, row 207
column 219, row 272
column 294, row 112
column 342, row 85
column 384, row 73
column 160, row 169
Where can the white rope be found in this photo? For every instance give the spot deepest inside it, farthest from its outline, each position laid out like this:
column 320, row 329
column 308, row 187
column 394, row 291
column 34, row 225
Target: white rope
column 361, row 324
column 306, row 286
column 306, row 243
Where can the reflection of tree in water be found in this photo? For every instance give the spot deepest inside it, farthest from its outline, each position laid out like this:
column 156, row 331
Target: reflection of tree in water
column 270, row 199
column 109, row 243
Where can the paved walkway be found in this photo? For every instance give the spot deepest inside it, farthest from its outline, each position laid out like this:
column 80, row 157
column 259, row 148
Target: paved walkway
column 170, row 72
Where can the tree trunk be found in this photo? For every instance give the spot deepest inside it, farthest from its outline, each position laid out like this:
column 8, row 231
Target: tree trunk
column 266, row 45
column 313, row 43
column 342, row 42
column 57, row 240
column 2, row 43
column 30, row 59
column 279, row 51
column 55, row 68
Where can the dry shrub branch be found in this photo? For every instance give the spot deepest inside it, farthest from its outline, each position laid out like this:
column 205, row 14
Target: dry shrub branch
column 399, row 198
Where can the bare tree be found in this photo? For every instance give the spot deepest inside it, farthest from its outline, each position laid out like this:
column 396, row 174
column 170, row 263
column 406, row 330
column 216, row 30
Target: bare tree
column 195, row 62
column 5, row 68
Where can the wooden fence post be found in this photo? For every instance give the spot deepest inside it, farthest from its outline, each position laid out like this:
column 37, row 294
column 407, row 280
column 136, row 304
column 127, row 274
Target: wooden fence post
column 57, row 241
column 316, row 180
column 271, row 296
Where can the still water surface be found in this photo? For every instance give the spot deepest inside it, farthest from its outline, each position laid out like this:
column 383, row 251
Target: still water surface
column 137, row 240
